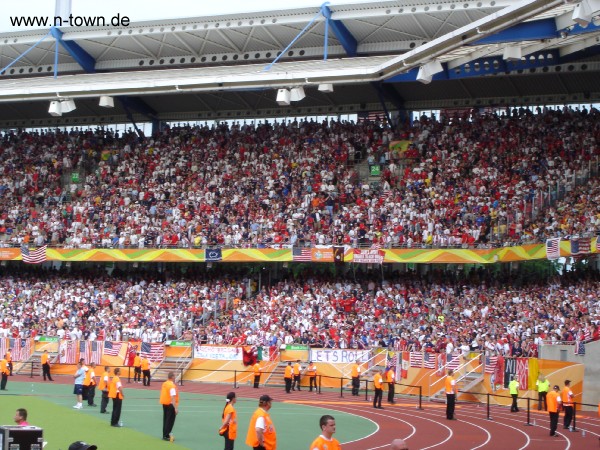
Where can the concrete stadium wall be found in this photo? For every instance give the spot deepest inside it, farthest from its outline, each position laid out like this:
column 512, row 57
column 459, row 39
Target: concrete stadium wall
column 591, row 362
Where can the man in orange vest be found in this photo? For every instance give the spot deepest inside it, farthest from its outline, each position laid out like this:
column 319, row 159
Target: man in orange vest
column 169, row 399
column 257, row 371
column 10, row 361
column 287, row 377
column 391, row 382
column 115, row 391
column 567, row 403
column 378, row 384
column 4, row 372
column 137, row 368
column 44, row 359
column 450, row 395
column 355, row 378
column 89, row 383
column 297, row 370
column 103, row 386
column 311, row 372
column 326, row 441
column 261, row 431
column 553, row 402
column 145, row 365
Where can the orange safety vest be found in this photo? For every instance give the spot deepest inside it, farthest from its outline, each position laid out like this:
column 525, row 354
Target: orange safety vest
column 296, row 369
column 391, row 376
column 103, row 385
column 137, row 361
column 165, row 393
column 288, row 372
column 4, row 367
column 44, row 358
column 450, row 385
column 269, row 435
column 321, row 443
column 567, row 396
column 378, row 381
column 355, row 371
column 553, row 400
column 256, row 369
column 145, row 364
column 112, row 388
column 311, row 371
column 229, row 409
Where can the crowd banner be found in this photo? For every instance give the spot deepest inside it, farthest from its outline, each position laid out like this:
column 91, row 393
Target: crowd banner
column 369, row 256
column 220, row 353
column 343, row 356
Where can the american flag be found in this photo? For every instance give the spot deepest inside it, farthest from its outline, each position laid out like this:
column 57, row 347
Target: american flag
column 301, row 254
column 154, row 352
column 454, row 362
column 490, row 364
column 21, row 349
column 90, row 351
column 553, row 248
column 416, row 359
column 67, row 352
column 384, row 196
column 581, row 246
column 112, row 348
column 430, row 360
column 392, row 358
column 36, row 256
column 579, row 347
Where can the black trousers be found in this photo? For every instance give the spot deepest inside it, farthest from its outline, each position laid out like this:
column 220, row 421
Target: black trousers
column 553, row 422
column 312, row 381
column 296, row 382
column 10, row 367
column 377, row 398
column 116, row 412
column 91, row 393
column 450, row 404
column 568, row 416
column 542, row 399
column 146, row 374
column 104, row 401
column 391, row 392
column 228, row 442
column 4, row 381
column 46, row 371
column 168, row 419
column 355, row 385
column 288, row 385
column 256, row 382
column 514, row 407
column 137, row 373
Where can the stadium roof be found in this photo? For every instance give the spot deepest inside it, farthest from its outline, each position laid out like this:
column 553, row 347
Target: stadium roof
column 493, row 52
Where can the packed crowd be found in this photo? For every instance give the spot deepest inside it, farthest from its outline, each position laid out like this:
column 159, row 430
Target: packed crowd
column 476, row 180
column 434, row 312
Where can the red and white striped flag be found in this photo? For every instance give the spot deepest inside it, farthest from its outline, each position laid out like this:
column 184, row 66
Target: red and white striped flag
column 154, row 352
column 36, row 256
column 112, row 348
column 429, row 360
column 90, row 351
column 67, row 352
column 490, row 364
column 416, row 359
column 21, row 349
column 553, row 248
column 454, row 362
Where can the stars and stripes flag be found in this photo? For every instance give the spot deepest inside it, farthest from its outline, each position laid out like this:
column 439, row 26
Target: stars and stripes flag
column 392, row 360
column 155, row 352
column 21, row 349
column 67, row 352
column 454, row 362
column 112, row 348
column 301, row 254
column 581, row 246
column 90, row 351
column 36, row 256
column 416, row 359
column 490, row 364
column 385, row 195
column 553, row 248
column 3, row 347
column 429, row 360
column 579, row 347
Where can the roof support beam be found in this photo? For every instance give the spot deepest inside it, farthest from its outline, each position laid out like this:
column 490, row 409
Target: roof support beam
column 528, row 31
column 342, row 33
column 83, row 58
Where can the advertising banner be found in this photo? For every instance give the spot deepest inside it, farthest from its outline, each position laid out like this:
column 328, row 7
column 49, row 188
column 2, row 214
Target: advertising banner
column 343, row 356
column 218, row 353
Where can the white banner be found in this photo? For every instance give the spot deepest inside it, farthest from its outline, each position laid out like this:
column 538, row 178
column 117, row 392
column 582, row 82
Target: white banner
column 339, row 355
column 370, row 256
column 218, row 353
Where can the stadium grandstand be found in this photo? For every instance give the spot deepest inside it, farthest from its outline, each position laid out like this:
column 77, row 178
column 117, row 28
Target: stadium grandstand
column 412, row 185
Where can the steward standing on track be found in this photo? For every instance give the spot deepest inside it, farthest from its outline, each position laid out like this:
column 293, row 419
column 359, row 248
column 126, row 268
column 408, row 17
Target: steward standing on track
column 257, row 371
column 311, row 372
column 554, row 402
column 450, row 395
column 543, row 386
column 115, row 391
column 567, row 403
column 378, row 384
column 169, row 399
column 355, row 378
column 261, row 431
column 103, row 386
column 287, row 377
column 46, row 366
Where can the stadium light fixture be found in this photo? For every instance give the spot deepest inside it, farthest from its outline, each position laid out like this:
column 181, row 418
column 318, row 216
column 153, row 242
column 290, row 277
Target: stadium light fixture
column 297, row 94
column 55, row 108
column 584, row 12
column 68, row 105
column 326, row 87
column 428, row 70
column 106, row 101
column 283, row 97
column 512, row 53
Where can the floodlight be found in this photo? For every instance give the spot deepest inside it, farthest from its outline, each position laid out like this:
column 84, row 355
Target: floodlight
column 297, row 94
column 55, row 108
column 106, row 101
column 283, row 97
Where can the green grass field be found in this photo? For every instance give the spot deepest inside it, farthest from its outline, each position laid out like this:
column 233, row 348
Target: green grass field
column 50, row 407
